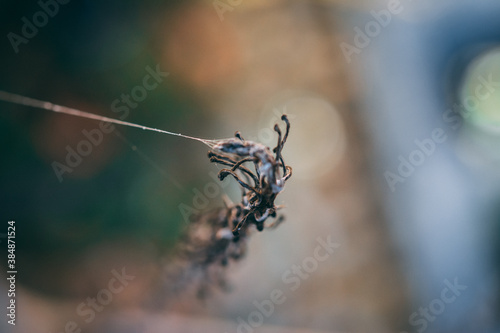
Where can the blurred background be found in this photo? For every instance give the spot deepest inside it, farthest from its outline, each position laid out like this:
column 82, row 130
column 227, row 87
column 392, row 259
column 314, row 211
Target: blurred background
column 394, row 143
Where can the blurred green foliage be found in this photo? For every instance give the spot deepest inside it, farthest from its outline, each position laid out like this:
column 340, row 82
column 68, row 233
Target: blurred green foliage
column 94, row 51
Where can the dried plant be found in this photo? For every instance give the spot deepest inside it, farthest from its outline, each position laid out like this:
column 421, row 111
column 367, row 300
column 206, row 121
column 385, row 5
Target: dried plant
column 214, row 239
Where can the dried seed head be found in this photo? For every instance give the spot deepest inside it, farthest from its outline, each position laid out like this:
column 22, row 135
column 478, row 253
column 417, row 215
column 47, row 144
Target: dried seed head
column 218, row 237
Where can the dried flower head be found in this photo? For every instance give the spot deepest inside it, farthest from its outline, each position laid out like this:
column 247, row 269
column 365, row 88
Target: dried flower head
column 215, row 238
